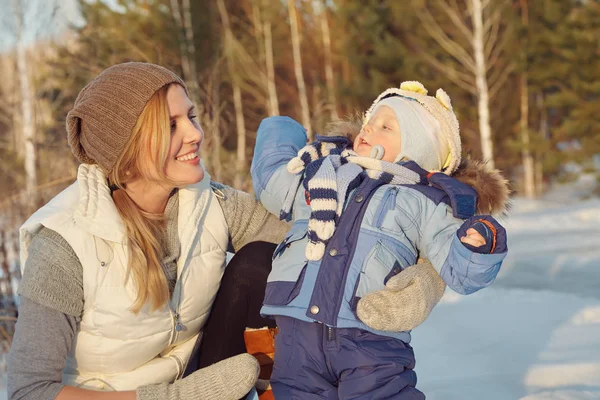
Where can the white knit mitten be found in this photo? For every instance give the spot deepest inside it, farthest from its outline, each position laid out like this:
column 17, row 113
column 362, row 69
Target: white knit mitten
column 229, row 379
column 406, row 301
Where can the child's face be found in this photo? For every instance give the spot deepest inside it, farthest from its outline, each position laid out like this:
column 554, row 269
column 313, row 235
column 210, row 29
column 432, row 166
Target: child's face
column 382, row 129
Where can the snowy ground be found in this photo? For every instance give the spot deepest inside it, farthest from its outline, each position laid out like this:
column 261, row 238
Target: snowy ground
column 535, row 333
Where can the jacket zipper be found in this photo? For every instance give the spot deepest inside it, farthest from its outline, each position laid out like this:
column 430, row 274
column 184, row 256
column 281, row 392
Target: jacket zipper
column 388, row 202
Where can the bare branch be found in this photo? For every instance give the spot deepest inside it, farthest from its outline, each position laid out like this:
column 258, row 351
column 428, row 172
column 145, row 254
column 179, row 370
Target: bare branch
column 119, row 35
column 492, row 20
column 258, row 30
column 452, row 11
column 497, row 52
column 461, row 79
column 469, row 9
column 44, row 18
column 436, row 32
column 498, row 82
column 491, row 39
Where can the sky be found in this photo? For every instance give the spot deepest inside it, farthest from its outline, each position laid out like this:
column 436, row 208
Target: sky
column 38, row 20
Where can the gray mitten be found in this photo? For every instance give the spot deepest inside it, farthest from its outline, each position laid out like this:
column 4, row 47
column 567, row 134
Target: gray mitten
column 229, row 379
column 406, row 301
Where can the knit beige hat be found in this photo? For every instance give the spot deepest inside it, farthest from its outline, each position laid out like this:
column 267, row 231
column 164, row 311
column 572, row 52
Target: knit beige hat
column 440, row 107
column 107, row 109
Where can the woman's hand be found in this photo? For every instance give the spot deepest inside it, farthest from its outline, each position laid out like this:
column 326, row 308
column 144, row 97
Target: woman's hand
column 229, row 379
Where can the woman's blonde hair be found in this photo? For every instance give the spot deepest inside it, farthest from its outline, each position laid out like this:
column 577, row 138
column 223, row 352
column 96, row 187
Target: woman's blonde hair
column 148, row 146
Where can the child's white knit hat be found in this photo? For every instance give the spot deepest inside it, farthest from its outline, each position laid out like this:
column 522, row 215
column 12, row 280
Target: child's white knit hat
column 429, row 128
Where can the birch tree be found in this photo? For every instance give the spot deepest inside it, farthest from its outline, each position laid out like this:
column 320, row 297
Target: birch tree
column 477, row 44
column 183, row 19
column 27, row 122
column 298, row 68
column 328, row 63
column 215, row 100
column 8, row 143
column 544, row 133
column 237, row 96
column 528, row 166
column 264, row 37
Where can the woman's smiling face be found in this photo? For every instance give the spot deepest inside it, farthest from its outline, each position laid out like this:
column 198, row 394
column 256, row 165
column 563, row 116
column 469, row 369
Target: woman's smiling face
column 183, row 165
column 382, row 129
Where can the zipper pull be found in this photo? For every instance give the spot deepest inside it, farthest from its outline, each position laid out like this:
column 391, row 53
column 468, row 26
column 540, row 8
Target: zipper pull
column 393, row 194
column 178, row 324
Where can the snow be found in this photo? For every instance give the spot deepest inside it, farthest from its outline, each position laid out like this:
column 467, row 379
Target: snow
column 535, row 333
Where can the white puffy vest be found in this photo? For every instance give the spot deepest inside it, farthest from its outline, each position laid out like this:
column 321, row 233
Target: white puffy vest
column 115, row 349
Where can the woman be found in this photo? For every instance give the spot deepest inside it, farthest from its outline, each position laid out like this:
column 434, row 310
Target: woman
column 122, row 267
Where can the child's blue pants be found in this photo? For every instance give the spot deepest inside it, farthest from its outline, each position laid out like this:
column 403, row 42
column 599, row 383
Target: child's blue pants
column 313, row 361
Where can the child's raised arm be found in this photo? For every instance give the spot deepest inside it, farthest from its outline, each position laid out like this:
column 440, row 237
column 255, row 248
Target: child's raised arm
column 278, row 140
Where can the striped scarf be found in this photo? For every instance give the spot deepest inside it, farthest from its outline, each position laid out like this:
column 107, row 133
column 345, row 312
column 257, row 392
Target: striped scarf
column 331, row 171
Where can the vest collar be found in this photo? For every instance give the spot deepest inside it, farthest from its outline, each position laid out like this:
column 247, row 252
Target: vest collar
column 97, row 214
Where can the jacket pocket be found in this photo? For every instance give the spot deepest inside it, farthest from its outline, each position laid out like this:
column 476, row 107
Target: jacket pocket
column 379, row 266
column 297, row 233
column 281, row 293
column 289, row 263
column 388, row 202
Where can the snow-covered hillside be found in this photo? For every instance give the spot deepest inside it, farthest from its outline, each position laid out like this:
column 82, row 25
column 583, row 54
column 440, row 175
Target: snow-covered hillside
column 535, row 333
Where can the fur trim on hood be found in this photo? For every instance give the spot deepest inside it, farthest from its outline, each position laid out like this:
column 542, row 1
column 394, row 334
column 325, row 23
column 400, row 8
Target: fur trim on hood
column 492, row 188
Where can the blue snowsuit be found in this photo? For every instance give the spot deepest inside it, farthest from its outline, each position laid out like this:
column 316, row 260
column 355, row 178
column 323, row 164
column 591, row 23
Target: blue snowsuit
column 323, row 350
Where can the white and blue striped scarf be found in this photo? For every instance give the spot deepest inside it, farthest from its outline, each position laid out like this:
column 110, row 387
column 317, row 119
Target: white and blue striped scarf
column 331, row 171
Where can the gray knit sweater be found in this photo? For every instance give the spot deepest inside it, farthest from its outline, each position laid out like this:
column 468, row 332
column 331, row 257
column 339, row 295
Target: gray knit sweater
column 52, row 291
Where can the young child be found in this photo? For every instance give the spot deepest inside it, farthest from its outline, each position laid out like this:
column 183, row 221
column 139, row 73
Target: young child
column 363, row 213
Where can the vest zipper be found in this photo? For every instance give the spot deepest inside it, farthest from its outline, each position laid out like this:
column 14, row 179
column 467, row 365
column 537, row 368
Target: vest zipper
column 388, row 202
column 177, row 326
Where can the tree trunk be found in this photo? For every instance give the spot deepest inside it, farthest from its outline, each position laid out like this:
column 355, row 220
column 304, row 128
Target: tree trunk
column 528, row 166
column 192, row 79
column 237, row 99
column 185, row 61
column 328, row 64
column 544, row 135
column 298, row 68
column 273, row 101
column 7, row 292
column 258, row 31
column 265, row 45
column 241, row 131
column 485, row 129
column 528, row 173
column 216, row 121
column 27, row 122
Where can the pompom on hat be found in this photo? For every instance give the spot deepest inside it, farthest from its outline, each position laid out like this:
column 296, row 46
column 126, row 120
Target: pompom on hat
column 438, row 107
column 106, row 110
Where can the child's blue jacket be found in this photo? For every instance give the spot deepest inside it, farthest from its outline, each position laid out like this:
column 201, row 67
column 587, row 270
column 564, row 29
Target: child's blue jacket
column 383, row 229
